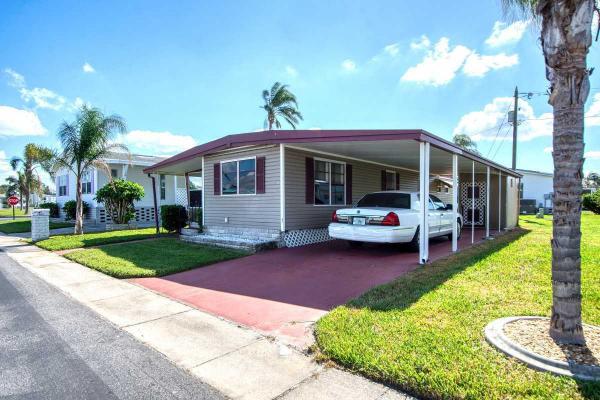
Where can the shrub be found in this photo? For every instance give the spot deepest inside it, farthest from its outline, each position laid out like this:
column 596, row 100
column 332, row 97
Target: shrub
column 53, row 207
column 118, row 197
column 70, row 208
column 173, row 217
column 591, row 202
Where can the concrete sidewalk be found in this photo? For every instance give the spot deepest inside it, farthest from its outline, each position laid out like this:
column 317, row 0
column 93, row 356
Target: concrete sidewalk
column 237, row 361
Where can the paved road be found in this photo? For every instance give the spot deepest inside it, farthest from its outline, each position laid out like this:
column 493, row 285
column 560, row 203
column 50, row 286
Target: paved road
column 52, row 347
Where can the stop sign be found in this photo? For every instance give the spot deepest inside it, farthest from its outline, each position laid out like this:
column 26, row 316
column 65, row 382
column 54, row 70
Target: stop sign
column 13, row 200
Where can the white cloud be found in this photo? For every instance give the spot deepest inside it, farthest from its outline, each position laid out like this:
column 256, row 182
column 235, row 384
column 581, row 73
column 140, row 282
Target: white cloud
column 593, row 111
column 483, row 125
column 548, row 149
column 439, row 66
column 592, row 154
column 348, row 65
column 423, row 43
column 503, row 34
column 88, row 69
column 43, row 98
column 5, row 168
column 291, row 71
column 17, row 122
column 392, row 49
column 478, row 65
column 156, row 143
column 15, row 79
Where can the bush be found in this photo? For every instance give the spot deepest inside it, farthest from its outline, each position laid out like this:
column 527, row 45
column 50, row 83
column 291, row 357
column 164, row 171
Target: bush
column 173, row 217
column 70, row 208
column 53, row 207
column 591, row 202
column 118, row 197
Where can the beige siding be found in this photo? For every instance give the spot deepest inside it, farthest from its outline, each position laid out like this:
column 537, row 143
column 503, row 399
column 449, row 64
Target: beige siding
column 366, row 178
column 244, row 211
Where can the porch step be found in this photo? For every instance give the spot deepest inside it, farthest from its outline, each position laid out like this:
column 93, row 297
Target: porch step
column 250, row 245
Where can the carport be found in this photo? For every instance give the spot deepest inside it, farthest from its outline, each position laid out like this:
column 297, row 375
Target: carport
column 484, row 192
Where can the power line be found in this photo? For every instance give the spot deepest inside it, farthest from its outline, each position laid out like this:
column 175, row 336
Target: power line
column 501, row 142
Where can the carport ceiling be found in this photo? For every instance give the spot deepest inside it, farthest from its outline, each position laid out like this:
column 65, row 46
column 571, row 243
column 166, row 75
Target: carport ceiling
column 394, row 153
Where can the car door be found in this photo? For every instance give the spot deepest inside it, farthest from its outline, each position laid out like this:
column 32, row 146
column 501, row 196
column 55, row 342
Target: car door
column 445, row 215
column 434, row 219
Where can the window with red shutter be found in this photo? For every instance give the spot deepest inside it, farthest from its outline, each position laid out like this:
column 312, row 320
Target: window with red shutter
column 310, row 180
column 217, row 179
column 260, row 175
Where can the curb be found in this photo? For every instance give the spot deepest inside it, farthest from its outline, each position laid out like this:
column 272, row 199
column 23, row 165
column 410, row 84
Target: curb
column 494, row 335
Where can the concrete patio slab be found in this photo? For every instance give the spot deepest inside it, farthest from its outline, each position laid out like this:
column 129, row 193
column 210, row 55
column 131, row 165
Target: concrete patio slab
column 259, row 371
column 193, row 337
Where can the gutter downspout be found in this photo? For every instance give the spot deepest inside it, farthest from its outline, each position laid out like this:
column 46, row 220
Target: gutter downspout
column 155, row 203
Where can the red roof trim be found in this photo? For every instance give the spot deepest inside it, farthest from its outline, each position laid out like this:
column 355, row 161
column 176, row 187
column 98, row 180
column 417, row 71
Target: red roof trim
column 304, row 136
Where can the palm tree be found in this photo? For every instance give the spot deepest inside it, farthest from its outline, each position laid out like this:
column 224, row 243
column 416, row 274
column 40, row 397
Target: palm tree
column 85, row 143
column 17, row 184
column 34, row 158
column 279, row 101
column 465, row 142
column 566, row 37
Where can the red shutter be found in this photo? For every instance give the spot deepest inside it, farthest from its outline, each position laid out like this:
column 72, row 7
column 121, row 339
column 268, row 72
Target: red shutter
column 310, row 180
column 217, row 178
column 348, row 184
column 383, row 186
column 260, row 175
column 397, row 181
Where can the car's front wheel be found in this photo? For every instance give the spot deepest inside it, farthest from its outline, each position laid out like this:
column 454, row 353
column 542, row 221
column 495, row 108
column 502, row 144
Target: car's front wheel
column 354, row 244
column 458, row 228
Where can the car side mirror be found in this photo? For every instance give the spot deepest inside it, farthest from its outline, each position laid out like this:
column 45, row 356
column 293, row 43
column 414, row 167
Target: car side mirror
column 449, row 207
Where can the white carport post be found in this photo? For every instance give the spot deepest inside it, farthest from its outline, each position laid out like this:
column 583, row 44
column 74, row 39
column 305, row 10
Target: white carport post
column 454, row 202
column 499, row 201
column 203, row 208
column 473, row 203
column 487, row 204
column 424, row 149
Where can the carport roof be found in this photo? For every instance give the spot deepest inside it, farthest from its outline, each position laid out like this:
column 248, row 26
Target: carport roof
column 313, row 136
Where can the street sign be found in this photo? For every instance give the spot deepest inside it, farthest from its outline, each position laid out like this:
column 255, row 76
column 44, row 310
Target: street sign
column 13, row 200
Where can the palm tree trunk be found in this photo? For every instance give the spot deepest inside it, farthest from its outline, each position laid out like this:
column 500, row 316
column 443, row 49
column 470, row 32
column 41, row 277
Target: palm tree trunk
column 566, row 38
column 78, row 208
column 27, row 203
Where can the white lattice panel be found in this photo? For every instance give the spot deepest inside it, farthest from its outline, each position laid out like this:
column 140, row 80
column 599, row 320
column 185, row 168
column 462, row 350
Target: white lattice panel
column 303, row 237
column 467, row 203
column 181, row 197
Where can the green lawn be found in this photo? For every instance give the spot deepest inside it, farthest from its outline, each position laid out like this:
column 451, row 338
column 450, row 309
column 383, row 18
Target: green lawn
column 7, row 212
column 151, row 257
column 424, row 332
column 66, row 242
column 20, row 225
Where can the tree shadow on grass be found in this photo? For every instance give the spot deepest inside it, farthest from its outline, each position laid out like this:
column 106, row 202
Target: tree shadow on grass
column 408, row 289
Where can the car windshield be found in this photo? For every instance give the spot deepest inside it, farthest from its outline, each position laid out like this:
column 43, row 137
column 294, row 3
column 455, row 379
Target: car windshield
column 388, row 200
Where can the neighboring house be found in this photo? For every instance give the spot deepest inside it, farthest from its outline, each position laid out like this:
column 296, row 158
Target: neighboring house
column 285, row 185
column 169, row 189
column 538, row 186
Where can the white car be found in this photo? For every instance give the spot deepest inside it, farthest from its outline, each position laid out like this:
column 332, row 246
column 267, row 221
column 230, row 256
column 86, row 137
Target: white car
column 391, row 217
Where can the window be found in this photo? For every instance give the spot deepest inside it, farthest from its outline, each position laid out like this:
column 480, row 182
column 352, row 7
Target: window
column 62, row 185
column 163, row 187
column 390, row 180
column 114, row 173
column 86, row 182
column 437, row 203
column 330, row 183
column 387, row 200
column 238, row 177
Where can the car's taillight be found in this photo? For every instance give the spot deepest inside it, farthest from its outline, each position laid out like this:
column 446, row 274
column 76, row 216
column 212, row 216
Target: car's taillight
column 334, row 217
column 391, row 219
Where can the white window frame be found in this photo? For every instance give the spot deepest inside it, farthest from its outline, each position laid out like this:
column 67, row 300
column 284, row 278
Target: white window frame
column 343, row 163
column 162, row 178
column 65, row 177
column 88, row 176
column 237, row 161
column 389, row 171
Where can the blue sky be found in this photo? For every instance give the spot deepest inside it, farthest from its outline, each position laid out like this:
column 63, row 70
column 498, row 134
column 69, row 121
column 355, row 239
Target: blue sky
column 188, row 73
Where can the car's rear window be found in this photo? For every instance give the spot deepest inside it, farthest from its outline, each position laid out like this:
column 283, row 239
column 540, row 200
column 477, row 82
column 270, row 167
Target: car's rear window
column 389, row 200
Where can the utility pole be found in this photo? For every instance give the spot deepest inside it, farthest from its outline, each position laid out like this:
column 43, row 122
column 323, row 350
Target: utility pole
column 514, row 122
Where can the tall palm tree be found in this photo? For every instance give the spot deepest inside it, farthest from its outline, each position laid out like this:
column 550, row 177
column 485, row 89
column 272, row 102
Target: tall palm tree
column 17, row 184
column 465, row 142
column 34, row 158
column 280, row 102
column 566, row 37
column 85, row 143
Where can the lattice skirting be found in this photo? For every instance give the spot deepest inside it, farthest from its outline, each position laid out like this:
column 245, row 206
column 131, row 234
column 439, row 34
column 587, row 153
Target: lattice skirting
column 302, row 237
column 142, row 214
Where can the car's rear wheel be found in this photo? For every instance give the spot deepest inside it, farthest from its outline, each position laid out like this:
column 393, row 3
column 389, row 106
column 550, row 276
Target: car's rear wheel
column 354, row 244
column 414, row 243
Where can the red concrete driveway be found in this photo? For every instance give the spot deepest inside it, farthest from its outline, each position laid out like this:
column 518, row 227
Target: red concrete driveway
column 282, row 292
